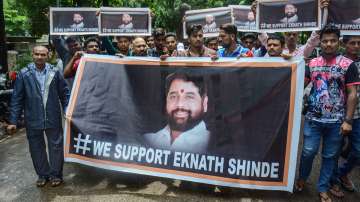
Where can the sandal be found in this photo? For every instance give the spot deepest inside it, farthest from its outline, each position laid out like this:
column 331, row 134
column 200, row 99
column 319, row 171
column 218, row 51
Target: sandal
column 299, row 185
column 336, row 191
column 56, row 182
column 41, row 182
column 324, row 197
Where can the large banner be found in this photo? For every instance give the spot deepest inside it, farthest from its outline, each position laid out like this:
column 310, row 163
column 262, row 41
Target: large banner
column 125, row 21
column 345, row 14
column 288, row 15
column 210, row 19
column 73, row 21
column 225, row 123
column 244, row 18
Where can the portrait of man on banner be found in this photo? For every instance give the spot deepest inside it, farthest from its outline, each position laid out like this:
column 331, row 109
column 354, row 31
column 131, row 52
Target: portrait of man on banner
column 290, row 14
column 126, row 22
column 186, row 106
column 78, row 21
column 210, row 23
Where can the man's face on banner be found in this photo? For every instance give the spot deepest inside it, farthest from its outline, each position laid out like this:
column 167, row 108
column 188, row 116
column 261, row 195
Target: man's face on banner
column 274, row 48
column 290, row 10
column 209, row 19
column 77, row 18
column 185, row 107
column 126, row 18
column 197, row 39
column 251, row 16
column 329, row 43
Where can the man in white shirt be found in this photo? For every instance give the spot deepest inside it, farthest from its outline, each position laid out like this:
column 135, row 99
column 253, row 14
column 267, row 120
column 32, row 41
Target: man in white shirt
column 210, row 25
column 127, row 22
column 186, row 105
column 78, row 21
column 290, row 14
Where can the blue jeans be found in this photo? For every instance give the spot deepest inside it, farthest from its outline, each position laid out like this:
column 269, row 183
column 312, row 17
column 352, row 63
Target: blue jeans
column 354, row 155
column 313, row 131
column 44, row 168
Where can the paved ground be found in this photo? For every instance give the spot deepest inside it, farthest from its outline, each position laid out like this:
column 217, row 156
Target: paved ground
column 84, row 183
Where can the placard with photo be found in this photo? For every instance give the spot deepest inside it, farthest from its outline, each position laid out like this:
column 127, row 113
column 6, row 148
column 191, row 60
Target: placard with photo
column 125, row 21
column 73, row 21
column 210, row 19
column 288, row 15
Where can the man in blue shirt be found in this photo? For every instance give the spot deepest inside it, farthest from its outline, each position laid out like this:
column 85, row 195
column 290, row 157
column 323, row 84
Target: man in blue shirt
column 227, row 38
column 39, row 90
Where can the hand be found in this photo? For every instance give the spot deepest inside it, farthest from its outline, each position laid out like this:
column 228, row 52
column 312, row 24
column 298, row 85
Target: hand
column 324, row 3
column 78, row 54
column 214, row 57
column 164, row 57
column 345, row 128
column 253, row 6
column 120, row 55
column 11, row 129
column 97, row 13
column 286, row 56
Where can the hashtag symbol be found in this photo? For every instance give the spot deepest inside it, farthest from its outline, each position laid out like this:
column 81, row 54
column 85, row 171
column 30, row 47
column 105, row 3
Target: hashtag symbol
column 81, row 143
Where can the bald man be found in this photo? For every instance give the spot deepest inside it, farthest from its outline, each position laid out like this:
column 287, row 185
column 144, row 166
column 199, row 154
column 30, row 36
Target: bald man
column 41, row 91
column 139, row 47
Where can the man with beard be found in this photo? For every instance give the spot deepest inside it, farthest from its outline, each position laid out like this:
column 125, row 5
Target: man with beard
column 186, row 105
column 127, row 22
column 228, row 40
column 78, row 20
column 290, row 14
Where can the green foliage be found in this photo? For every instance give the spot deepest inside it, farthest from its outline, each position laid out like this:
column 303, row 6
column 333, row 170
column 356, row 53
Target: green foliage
column 16, row 24
column 22, row 60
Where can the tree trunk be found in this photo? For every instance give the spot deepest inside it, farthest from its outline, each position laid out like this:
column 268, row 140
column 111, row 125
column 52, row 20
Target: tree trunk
column 3, row 51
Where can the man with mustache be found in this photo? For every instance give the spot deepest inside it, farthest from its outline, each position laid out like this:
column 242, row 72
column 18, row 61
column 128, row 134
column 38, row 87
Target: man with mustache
column 186, row 105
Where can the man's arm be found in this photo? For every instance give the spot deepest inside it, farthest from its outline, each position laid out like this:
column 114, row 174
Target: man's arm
column 310, row 45
column 350, row 109
column 59, row 44
column 63, row 92
column 68, row 71
column 17, row 99
column 351, row 80
column 107, row 44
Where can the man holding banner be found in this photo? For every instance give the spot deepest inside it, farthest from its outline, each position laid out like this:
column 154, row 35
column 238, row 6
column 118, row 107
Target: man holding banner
column 332, row 102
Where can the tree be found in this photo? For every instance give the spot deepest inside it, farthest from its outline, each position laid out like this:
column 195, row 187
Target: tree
column 3, row 51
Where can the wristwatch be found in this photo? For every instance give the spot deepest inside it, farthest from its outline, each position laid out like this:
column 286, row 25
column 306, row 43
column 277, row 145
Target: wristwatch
column 348, row 121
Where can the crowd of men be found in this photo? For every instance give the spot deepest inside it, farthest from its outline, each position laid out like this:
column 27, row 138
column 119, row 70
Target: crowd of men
column 332, row 111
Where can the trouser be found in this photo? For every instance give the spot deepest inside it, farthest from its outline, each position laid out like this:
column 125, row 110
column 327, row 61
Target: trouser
column 44, row 168
column 353, row 158
column 330, row 133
